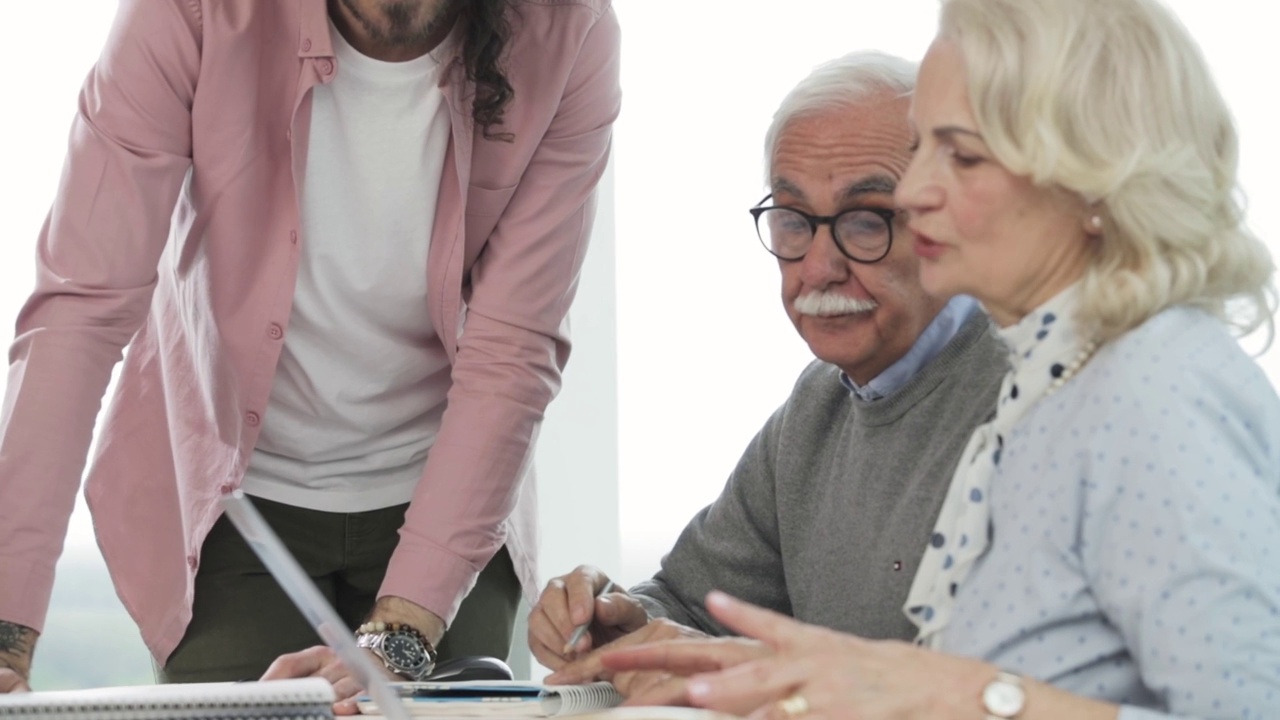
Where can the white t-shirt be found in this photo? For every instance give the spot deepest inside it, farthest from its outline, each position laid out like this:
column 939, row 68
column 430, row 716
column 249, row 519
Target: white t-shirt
column 361, row 383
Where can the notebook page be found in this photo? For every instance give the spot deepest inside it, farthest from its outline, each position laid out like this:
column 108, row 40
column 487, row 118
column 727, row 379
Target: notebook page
column 307, row 698
column 656, row 713
column 488, row 698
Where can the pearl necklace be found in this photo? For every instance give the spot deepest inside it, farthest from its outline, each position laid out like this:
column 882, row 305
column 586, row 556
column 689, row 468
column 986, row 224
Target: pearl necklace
column 1073, row 367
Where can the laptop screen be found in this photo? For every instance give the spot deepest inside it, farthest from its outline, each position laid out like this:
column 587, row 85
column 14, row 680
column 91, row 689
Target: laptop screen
column 299, row 587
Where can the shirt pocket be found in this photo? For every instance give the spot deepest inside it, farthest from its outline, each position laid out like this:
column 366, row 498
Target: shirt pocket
column 484, row 207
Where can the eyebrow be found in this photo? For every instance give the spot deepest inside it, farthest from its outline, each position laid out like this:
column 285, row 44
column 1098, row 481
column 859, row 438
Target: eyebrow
column 872, row 185
column 947, row 132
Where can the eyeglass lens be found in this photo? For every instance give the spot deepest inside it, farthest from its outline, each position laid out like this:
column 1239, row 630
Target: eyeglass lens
column 862, row 234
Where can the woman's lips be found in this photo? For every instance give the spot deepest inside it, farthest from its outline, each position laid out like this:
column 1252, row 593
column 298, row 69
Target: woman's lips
column 927, row 247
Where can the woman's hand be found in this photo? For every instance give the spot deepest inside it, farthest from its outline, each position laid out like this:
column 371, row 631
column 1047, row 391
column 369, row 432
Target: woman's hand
column 812, row 671
column 642, row 687
column 589, row 668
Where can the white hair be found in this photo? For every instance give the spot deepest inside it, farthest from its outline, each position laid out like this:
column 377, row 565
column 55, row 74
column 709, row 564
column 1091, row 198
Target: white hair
column 837, row 84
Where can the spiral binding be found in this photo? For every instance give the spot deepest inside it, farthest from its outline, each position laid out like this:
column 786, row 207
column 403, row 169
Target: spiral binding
column 309, row 699
column 574, row 699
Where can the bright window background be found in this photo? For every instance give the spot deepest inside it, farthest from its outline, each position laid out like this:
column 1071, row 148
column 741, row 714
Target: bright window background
column 705, row 352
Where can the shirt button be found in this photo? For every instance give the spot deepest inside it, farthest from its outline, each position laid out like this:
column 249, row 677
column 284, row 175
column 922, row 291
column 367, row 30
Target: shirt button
column 326, row 67
column 227, row 488
column 288, row 134
column 306, row 45
column 252, row 418
column 293, row 236
column 191, row 562
column 275, row 332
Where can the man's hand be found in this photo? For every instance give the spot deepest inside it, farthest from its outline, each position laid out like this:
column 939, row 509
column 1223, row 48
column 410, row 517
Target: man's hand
column 12, row 682
column 17, row 645
column 571, row 600
column 590, row 667
column 320, row 661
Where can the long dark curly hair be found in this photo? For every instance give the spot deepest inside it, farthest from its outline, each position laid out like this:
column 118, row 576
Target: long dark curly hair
column 487, row 31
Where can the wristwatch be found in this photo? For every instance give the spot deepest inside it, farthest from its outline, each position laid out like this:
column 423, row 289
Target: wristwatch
column 1004, row 697
column 400, row 647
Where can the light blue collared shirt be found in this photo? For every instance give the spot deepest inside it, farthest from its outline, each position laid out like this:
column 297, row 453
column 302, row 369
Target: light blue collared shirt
column 935, row 337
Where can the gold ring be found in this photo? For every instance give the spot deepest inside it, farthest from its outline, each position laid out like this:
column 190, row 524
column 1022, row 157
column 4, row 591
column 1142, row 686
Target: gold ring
column 794, row 706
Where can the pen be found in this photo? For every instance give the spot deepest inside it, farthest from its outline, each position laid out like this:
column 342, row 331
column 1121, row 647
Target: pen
column 581, row 630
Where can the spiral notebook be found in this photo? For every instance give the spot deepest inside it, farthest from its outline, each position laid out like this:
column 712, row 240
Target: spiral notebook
column 306, row 699
column 486, row 698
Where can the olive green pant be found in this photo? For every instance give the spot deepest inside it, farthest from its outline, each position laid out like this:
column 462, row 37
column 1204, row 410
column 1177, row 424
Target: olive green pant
column 242, row 620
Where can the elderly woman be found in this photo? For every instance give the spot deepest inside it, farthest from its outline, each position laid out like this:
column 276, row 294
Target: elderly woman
column 1110, row 545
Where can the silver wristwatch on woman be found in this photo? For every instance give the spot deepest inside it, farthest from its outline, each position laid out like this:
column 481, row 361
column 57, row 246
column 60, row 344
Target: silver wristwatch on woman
column 1004, row 697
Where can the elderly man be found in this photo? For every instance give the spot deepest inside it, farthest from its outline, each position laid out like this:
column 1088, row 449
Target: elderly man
column 830, row 508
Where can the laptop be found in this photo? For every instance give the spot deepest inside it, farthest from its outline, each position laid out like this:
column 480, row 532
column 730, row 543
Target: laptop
column 304, row 593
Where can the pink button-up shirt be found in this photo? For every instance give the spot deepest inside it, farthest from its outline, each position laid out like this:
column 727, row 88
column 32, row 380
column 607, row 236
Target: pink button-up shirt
column 175, row 231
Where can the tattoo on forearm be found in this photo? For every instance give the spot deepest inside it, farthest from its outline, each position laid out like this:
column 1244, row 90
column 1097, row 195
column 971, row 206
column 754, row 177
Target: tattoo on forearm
column 16, row 640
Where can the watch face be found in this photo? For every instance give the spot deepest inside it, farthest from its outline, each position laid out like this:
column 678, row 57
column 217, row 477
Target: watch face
column 1003, row 699
column 404, row 650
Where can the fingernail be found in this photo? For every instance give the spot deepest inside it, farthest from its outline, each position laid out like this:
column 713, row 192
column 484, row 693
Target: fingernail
column 715, row 597
column 698, row 689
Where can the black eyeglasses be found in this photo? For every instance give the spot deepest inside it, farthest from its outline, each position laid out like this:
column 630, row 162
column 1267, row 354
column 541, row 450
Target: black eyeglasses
column 862, row 234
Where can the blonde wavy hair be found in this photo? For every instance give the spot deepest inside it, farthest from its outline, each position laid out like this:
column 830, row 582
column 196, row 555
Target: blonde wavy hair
column 1113, row 101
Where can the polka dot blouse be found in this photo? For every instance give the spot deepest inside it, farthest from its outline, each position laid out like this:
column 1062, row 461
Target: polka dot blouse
column 1135, row 525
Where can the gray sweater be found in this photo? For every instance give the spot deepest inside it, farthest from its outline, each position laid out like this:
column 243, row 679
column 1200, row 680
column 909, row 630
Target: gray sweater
column 828, row 511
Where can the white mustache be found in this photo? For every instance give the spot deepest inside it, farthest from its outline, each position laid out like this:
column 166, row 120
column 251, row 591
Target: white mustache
column 826, row 304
